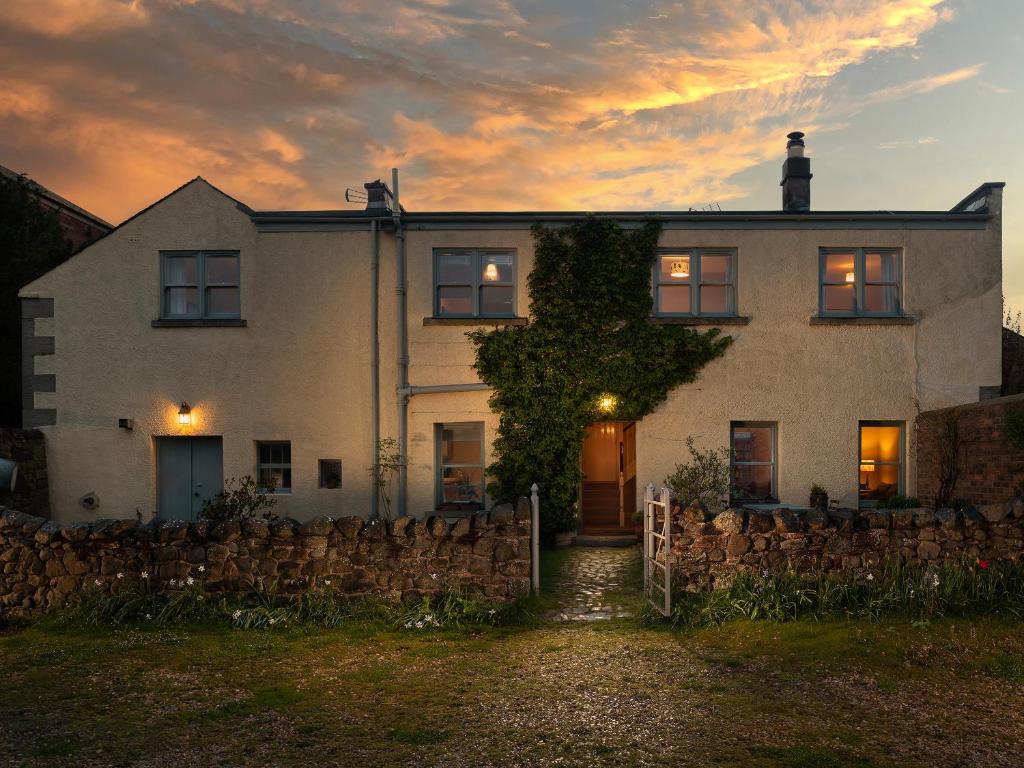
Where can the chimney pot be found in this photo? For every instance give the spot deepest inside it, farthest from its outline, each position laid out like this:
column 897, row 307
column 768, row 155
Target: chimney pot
column 378, row 196
column 796, row 176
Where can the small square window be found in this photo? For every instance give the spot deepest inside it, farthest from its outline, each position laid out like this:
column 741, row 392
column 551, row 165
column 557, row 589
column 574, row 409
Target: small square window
column 274, row 466
column 330, row 473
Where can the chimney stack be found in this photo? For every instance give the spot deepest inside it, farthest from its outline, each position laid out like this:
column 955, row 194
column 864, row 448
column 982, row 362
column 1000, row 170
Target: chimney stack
column 378, row 196
column 796, row 176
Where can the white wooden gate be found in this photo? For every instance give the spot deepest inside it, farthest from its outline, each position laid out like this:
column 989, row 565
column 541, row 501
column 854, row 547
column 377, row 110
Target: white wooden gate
column 658, row 548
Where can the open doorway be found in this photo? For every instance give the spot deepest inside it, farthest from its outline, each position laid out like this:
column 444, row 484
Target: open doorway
column 608, row 496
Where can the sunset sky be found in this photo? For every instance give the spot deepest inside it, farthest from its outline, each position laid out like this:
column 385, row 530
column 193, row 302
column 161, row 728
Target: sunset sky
column 503, row 104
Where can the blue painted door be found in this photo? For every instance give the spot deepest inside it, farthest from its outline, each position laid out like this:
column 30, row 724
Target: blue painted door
column 190, row 471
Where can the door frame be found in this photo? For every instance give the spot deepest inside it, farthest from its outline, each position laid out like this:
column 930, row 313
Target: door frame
column 625, row 517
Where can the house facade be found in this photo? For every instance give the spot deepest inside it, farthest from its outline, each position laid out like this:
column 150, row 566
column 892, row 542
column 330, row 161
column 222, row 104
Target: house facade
column 202, row 340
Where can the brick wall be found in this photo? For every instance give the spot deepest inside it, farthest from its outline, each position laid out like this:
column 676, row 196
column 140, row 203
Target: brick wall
column 27, row 447
column 990, row 468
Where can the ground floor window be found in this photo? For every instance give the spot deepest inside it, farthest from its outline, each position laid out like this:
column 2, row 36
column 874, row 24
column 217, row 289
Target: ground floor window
column 881, row 461
column 460, row 463
column 753, row 461
column 274, row 466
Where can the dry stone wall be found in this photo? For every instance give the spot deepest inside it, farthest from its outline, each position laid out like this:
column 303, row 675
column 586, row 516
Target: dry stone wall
column 706, row 549
column 44, row 565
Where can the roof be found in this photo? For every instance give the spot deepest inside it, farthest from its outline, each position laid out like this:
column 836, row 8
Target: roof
column 54, row 198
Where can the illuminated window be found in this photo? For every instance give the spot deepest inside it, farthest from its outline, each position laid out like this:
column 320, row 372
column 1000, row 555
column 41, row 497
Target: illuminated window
column 199, row 285
column 460, row 463
column 753, row 462
column 860, row 281
column 695, row 281
column 274, row 466
column 880, row 468
column 474, row 283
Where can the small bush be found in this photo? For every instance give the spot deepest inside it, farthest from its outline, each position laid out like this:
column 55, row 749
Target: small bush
column 900, row 502
column 1013, row 425
column 895, row 590
column 704, row 479
column 240, row 500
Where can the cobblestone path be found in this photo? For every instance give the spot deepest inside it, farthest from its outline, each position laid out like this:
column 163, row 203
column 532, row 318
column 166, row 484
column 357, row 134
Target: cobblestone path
column 593, row 583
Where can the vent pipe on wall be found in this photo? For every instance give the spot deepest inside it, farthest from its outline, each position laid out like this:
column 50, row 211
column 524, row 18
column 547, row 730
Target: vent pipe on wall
column 796, row 176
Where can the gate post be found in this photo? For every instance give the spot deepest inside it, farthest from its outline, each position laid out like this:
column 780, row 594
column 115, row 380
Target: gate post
column 535, row 539
column 666, row 501
column 648, row 539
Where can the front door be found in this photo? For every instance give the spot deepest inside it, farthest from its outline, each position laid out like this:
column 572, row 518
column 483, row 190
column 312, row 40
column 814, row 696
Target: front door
column 609, row 478
column 190, row 471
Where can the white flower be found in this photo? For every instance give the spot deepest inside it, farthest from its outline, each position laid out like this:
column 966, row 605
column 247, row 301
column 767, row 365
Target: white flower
column 99, row 583
column 491, row 612
column 433, row 576
column 272, row 622
column 935, row 580
column 236, row 615
column 871, row 577
column 149, row 616
column 172, row 582
column 120, row 575
column 408, row 624
column 419, row 625
column 190, row 581
column 144, row 574
column 202, row 568
column 327, row 582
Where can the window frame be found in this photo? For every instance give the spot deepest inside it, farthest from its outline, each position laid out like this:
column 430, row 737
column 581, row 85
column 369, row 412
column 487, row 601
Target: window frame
column 440, row 464
column 260, row 465
column 320, row 463
column 477, row 283
column 697, row 281
column 201, row 285
column 774, row 463
column 901, row 465
column 859, row 281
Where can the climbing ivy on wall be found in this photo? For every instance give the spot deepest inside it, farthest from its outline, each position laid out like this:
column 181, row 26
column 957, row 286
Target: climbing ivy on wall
column 590, row 336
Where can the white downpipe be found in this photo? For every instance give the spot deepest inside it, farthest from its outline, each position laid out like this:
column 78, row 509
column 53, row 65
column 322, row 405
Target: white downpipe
column 535, row 539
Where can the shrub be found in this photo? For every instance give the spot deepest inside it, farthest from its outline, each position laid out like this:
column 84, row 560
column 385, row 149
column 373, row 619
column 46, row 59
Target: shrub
column 900, row 502
column 895, row 590
column 1013, row 425
column 704, row 479
column 240, row 500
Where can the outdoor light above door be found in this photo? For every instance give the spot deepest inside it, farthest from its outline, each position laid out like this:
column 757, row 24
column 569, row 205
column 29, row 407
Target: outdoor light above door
column 607, row 403
column 185, row 414
column 681, row 268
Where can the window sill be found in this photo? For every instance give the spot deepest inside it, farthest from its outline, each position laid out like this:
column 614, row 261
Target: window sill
column 865, row 320
column 475, row 321
column 200, row 323
column 702, row 320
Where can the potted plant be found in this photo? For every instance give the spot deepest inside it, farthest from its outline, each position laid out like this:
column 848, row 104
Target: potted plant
column 819, row 498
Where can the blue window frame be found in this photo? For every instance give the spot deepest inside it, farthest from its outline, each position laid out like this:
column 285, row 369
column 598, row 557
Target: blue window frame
column 860, row 282
column 199, row 285
column 694, row 282
column 471, row 282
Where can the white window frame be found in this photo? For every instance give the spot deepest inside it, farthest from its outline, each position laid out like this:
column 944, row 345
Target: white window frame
column 477, row 283
column 774, row 463
column 440, row 463
column 859, row 282
column 201, row 285
column 901, row 464
column 696, row 281
column 261, row 465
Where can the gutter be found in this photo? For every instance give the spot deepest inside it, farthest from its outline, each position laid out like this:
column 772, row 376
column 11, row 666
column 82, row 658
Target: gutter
column 403, row 346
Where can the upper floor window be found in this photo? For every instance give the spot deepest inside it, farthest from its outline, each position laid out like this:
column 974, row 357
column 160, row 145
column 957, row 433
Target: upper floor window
column 695, row 281
column 199, row 284
column 860, row 281
column 474, row 283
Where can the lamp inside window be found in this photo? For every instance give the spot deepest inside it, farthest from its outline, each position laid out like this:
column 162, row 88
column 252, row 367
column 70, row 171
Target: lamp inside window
column 680, row 267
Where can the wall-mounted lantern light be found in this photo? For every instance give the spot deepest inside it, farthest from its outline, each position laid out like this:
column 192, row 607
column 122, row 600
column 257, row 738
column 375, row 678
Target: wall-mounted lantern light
column 607, row 403
column 185, row 414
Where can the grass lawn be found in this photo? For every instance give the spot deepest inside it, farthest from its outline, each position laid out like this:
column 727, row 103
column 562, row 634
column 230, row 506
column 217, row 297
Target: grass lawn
column 603, row 693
